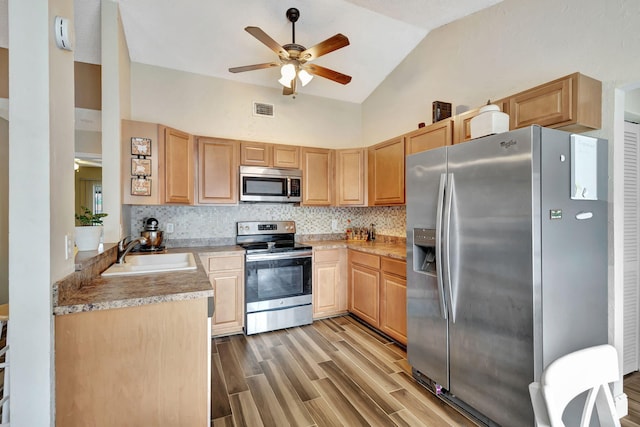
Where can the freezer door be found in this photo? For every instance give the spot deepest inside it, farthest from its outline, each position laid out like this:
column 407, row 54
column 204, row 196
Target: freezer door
column 426, row 322
column 490, row 259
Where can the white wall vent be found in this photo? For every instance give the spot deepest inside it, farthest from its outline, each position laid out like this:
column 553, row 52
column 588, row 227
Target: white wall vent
column 263, row 110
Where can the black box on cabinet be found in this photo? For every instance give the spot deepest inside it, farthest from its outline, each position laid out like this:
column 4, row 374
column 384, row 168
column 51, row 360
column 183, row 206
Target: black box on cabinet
column 441, row 110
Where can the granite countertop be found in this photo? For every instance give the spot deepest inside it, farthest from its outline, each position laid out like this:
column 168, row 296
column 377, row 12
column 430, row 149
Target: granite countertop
column 397, row 250
column 101, row 293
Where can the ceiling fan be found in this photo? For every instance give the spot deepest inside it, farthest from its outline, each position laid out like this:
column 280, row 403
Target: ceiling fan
column 294, row 59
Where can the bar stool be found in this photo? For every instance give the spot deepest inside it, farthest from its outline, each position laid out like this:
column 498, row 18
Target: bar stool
column 4, row 402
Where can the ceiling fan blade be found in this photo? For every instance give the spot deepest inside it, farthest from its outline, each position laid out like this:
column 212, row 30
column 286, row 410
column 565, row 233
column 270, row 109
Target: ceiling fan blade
column 329, row 45
column 268, row 41
column 328, row 73
column 253, row 67
column 290, row 90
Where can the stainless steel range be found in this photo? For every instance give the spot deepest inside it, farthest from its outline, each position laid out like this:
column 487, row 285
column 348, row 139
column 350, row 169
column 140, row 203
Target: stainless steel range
column 278, row 276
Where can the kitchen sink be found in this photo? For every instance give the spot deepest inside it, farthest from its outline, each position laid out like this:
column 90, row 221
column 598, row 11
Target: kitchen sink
column 155, row 263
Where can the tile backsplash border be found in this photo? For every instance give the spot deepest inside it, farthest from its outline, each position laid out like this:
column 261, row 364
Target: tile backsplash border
column 216, row 225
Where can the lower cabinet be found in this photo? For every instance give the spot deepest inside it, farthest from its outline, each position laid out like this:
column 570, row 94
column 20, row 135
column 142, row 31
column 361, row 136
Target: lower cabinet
column 393, row 299
column 134, row 366
column 378, row 293
column 226, row 274
column 329, row 282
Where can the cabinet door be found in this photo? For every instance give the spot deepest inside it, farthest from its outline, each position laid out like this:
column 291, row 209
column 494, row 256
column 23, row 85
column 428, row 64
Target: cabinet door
column 393, row 306
column 255, row 154
column 572, row 103
column 286, row 156
column 329, row 282
column 217, row 171
column 386, row 173
column 364, row 299
column 462, row 126
column 436, row 135
column 228, row 291
column 178, row 167
column 317, row 176
column 351, row 177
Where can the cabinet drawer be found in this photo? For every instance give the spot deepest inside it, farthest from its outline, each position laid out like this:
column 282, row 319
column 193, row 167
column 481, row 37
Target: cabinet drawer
column 326, row 255
column 394, row 266
column 362, row 258
column 232, row 262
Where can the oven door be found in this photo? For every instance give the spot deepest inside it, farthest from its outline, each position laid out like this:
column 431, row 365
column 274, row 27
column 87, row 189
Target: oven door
column 275, row 280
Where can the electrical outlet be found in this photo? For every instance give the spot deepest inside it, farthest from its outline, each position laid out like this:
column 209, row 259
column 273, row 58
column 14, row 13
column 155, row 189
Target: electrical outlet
column 68, row 246
column 334, row 225
column 169, row 227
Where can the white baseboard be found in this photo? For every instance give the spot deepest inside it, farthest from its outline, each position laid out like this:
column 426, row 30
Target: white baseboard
column 622, row 405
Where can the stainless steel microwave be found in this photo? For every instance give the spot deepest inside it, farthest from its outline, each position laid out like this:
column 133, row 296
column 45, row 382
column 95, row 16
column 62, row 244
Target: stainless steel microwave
column 272, row 185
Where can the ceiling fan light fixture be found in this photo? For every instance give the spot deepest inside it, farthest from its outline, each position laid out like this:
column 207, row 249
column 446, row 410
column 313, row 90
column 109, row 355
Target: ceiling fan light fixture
column 288, row 72
column 304, row 77
column 285, row 82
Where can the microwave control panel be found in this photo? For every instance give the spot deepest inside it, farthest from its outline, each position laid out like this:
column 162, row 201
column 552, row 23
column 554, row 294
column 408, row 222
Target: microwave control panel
column 295, row 187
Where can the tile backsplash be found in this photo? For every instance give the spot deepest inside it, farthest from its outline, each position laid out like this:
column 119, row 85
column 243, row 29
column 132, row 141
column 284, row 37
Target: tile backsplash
column 217, row 224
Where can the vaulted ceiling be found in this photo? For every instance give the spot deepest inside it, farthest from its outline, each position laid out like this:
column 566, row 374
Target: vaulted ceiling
column 207, row 36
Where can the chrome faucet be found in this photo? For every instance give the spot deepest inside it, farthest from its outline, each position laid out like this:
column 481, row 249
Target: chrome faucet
column 124, row 248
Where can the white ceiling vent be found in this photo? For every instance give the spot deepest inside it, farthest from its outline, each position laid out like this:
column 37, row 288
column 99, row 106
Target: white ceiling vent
column 263, row 110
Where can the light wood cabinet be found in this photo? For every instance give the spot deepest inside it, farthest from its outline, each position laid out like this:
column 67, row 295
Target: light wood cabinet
column 378, row 293
column 226, row 274
column 393, row 299
column 329, row 282
column 317, row 176
column 572, row 103
column 286, row 156
column 269, row 155
column 386, row 173
column 134, row 366
column 351, row 177
column 364, row 286
column 255, row 154
column 439, row 134
column 178, row 166
column 217, row 171
column 462, row 125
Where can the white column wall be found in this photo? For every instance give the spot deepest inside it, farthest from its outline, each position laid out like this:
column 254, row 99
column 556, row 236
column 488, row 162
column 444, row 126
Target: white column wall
column 40, row 199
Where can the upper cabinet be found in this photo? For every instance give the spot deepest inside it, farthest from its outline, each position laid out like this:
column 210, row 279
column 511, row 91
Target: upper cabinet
column 317, row 176
column 286, row 156
column 351, row 177
column 462, row 127
column 436, row 135
column 572, row 103
column 217, row 171
column 178, row 166
column 269, row 155
column 386, row 173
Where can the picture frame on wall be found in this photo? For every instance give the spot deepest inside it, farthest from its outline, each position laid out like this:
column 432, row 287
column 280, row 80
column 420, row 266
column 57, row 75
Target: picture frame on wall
column 141, row 167
column 140, row 146
column 140, row 187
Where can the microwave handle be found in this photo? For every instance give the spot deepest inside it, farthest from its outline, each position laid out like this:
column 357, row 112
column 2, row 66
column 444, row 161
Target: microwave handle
column 288, row 187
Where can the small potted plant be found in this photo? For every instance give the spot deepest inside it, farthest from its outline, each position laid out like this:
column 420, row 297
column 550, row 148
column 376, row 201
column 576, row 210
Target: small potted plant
column 88, row 229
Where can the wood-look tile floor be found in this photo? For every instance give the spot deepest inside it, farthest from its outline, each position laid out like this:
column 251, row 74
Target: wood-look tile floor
column 631, row 385
column 334, row 372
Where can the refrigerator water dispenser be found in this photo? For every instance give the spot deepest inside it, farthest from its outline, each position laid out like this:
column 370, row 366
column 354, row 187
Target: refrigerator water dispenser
column 424, row 251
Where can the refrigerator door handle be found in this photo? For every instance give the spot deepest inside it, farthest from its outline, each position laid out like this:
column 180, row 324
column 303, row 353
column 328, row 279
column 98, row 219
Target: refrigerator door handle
column 446, row 238
column 441, row 188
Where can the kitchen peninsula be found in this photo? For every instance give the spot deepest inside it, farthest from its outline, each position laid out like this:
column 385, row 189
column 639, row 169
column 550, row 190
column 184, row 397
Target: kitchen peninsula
column 131, row 350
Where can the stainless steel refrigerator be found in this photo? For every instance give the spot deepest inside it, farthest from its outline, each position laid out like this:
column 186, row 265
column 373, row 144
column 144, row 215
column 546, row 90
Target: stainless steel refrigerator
column 506, row 264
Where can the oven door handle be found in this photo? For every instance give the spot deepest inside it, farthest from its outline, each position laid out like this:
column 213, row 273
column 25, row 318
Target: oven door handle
column 279, row 255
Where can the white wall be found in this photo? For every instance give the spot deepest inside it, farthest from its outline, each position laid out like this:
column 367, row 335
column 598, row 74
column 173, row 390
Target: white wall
column 503, row 50
column 632, row 106
column 4, row 211
column 215, row 107
column 41, row 117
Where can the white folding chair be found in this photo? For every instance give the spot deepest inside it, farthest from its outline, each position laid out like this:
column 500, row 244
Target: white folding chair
column 590, row 369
